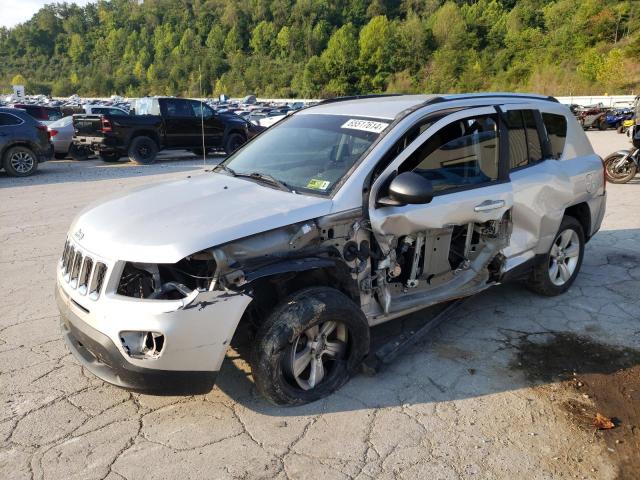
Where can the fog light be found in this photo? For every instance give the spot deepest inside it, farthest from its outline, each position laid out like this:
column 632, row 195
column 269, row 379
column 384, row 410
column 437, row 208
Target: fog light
column 142, row 344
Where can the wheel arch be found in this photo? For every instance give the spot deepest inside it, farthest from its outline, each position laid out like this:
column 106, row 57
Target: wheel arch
column 144, row 133
column 270, row 285
column 582, row 213
column 17, row 143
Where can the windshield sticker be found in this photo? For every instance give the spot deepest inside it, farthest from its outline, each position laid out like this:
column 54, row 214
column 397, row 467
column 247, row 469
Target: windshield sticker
column 317, row 184
column 365, row 125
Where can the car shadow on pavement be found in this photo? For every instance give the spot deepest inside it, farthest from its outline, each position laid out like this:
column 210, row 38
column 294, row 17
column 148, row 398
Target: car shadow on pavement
column 504, row 339
column 64, row 171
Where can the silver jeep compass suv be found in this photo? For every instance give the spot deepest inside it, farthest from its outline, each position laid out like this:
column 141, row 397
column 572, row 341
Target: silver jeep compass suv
column 342, row 216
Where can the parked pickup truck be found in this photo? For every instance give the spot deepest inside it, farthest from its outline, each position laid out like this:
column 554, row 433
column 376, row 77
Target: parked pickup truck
column 160, row 123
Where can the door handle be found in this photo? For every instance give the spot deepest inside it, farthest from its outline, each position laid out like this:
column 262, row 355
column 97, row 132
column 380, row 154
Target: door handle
column 489, row 205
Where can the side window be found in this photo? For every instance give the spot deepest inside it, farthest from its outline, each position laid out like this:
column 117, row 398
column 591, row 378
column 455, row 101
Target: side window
column 201, row 109
column 115, row 111
column 8, row 120
column 525, row 146
column 556, row 126
column 179, row 108
column 463, row 153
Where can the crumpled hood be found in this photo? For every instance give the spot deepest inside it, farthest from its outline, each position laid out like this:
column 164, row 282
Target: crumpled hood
column 164, row 223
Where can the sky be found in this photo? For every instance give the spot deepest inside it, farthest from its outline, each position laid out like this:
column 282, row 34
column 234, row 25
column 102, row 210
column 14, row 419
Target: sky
column 13, row 12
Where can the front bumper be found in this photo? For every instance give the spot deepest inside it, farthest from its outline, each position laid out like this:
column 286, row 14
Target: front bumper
column 196, row 336
column 98, row 354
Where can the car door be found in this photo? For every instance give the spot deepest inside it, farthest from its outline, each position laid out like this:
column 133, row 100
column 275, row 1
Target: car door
column 463, row 156
column 210, row 123
column 541, row 189
column 182, row 127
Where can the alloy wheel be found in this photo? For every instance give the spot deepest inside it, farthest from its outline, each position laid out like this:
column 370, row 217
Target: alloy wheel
column 314, row 352
column 22, row 162
column 564, row 256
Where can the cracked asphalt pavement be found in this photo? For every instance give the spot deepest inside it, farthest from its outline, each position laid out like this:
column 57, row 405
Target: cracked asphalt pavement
column 452, row 406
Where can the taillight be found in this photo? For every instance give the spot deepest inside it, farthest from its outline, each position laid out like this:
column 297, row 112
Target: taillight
column 52, row 132
column 106, row 125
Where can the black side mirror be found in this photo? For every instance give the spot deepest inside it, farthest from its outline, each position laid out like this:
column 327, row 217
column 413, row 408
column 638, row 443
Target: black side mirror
column 408, row 188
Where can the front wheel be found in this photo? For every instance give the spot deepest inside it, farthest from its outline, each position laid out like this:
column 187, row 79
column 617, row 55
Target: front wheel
column 234, row 142
column 561, row 265
column 309, row 346
column 618, row 171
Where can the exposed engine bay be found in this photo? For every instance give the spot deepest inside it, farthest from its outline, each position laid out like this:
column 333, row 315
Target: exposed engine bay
column 420, row 268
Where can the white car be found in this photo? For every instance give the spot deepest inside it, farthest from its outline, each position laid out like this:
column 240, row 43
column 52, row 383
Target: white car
column 342, row 216
column 103, row 110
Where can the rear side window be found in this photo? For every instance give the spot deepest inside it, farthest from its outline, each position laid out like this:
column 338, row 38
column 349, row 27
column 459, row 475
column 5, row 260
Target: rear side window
column 8, row 120
column 525, row 147
column 556, row 126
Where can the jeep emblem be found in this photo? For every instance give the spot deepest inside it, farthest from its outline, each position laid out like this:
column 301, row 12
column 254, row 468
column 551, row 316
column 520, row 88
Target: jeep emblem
column 79, row 234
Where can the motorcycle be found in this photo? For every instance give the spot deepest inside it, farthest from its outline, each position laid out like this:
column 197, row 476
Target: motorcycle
column 622, row 166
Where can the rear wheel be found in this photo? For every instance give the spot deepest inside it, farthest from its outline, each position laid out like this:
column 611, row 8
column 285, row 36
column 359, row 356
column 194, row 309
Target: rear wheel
column 110, row 157
column 310, row 345
column 79, row 153
column 619, row 173
column 143, row 150
column 558, row 271
column 20, row 162
column 234, row 142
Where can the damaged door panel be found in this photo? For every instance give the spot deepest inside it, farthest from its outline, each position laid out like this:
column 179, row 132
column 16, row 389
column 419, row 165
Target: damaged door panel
column 451, row 246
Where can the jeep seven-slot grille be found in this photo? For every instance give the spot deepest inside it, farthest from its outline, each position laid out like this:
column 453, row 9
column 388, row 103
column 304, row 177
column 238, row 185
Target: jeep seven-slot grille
column 82, row 272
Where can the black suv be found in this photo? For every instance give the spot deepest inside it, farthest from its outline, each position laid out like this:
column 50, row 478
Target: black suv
column 24, row 142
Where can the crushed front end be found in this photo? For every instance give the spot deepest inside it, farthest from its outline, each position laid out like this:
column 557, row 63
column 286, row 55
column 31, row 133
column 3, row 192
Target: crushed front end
column 145, row 327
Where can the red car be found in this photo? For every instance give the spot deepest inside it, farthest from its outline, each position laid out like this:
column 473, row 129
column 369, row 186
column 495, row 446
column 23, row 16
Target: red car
column 43, row 114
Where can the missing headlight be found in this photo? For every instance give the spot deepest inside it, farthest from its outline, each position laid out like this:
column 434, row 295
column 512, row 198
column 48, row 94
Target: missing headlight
column 168, row 281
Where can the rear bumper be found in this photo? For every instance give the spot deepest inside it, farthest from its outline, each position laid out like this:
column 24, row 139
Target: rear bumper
column 98, row 354
column 99, row 144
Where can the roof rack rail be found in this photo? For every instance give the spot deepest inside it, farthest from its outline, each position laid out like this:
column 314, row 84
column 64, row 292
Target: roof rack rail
column 547, row 98
column 358, row 97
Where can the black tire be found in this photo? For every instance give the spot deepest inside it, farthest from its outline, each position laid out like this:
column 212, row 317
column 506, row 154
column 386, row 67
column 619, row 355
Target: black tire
column 620, row 128
column 602, row 125
column 143, row 150
column 622, row 174
column 234, row 141
column 59, row 155
column 79, row 154
column 111, row 157
column 540, row 280
column 20, row 162
column 288, row 322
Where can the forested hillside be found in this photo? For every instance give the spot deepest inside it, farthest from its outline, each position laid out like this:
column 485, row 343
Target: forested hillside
column 319, row 48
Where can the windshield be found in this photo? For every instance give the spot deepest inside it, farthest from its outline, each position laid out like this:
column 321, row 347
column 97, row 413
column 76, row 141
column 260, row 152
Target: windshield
column 308, row 152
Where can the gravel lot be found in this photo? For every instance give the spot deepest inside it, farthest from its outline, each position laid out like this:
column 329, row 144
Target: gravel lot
column 463, row 403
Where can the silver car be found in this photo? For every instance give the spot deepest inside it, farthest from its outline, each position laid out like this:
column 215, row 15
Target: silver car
column 342, row 216
column 61, row 134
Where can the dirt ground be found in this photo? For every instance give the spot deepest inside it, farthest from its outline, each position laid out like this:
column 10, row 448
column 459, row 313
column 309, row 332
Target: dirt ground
column 507, row 387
